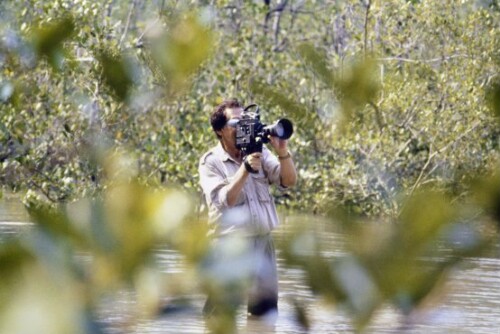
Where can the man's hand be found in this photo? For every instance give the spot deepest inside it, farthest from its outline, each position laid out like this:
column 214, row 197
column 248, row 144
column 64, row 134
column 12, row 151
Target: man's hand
column 254, row 160
column 279, row 145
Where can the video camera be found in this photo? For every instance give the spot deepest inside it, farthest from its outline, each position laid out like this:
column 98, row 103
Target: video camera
column 251, row 134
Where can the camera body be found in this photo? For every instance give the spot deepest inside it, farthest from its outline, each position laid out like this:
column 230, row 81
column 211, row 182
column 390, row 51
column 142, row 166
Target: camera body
column 251, row 134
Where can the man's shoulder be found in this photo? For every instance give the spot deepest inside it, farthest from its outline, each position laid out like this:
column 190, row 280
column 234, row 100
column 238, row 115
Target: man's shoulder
column 209, row 156
column 204, row 157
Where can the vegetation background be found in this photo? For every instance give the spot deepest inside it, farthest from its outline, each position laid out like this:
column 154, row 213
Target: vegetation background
column 107, row 103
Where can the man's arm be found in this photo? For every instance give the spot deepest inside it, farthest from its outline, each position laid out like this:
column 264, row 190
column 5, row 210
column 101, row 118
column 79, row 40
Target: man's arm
column 218, row 191
column 235, row 187
column 288, row 174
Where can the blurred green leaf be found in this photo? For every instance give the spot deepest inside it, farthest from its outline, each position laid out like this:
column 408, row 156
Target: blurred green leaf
column 356, row 85
column 423, row 217
column 293, row 109
column 181, row 49
column 318, row 62
column 493, row 97
column 486, row 194
column 6, row 91
column 301, row 315
column 13, row 257
column 56, row 223
column 116, row 74
column 48, row 40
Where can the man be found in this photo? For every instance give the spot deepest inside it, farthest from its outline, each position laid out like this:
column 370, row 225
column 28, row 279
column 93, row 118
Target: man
column 239, row 201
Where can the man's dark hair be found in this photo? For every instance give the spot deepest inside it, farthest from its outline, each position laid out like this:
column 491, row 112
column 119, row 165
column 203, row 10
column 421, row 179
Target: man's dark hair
column 218, row 118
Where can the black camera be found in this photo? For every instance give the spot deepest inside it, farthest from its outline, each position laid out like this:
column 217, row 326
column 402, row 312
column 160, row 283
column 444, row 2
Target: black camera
column 251, row 134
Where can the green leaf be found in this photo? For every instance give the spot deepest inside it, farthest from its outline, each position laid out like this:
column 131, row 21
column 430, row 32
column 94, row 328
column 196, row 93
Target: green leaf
column 116, row 74
column 295, row 110
column 423, row 216
column 13, row 257
column 56, row 223
column 182, row 49
column 318, row 62
column 357, row 85
column 493, row 97
column 48, row 40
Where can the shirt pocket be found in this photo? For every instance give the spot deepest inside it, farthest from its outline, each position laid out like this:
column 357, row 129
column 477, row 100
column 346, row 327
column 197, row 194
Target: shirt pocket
column 262, row 187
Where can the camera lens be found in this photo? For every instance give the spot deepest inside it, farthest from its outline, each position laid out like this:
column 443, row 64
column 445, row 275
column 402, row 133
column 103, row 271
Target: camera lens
column 279, row 130
column 282, row 129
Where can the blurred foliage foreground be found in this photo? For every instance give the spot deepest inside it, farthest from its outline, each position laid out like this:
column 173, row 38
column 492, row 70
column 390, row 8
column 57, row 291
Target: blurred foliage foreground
column 54, row 277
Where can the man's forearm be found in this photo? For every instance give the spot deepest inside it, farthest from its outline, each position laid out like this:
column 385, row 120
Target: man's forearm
column 288, row 174
column 236, row 185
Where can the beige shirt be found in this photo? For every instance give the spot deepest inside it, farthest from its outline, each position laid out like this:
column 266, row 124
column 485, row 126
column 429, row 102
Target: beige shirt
column 254, row 212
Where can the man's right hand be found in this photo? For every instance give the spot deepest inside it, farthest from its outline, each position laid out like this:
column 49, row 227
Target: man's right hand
column 254, row 160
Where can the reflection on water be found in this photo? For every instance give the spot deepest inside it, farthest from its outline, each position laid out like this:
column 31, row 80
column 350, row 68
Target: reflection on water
column 13, row 218
column 470, row 304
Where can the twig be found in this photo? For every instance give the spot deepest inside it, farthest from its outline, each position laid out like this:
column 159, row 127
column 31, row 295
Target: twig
column 378, row 115
column 127, row 25
column 139, row 43
column 408, row 60
column 367, row 16
column 442, row 149
column 85, row 59
column 429, row 158
column 276, row 27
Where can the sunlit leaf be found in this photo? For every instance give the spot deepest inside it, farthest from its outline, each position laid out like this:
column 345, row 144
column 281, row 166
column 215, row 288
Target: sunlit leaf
column 45, row 301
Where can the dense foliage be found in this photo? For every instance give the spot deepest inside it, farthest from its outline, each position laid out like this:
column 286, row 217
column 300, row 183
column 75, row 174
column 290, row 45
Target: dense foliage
column 80, row 73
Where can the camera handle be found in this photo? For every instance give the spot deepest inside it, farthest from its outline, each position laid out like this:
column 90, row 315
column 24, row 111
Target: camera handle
column 258, row 148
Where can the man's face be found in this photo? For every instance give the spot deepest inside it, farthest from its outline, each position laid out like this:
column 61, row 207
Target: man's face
column 228, row 133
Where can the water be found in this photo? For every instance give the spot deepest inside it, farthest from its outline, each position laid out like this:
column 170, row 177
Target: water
column 470, row 303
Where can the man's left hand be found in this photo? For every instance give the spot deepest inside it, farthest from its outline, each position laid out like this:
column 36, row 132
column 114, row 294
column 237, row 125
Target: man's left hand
column 279, row 145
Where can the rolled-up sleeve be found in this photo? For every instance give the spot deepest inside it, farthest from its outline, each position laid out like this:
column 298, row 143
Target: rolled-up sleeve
column 213, row 183
column 272, row 168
